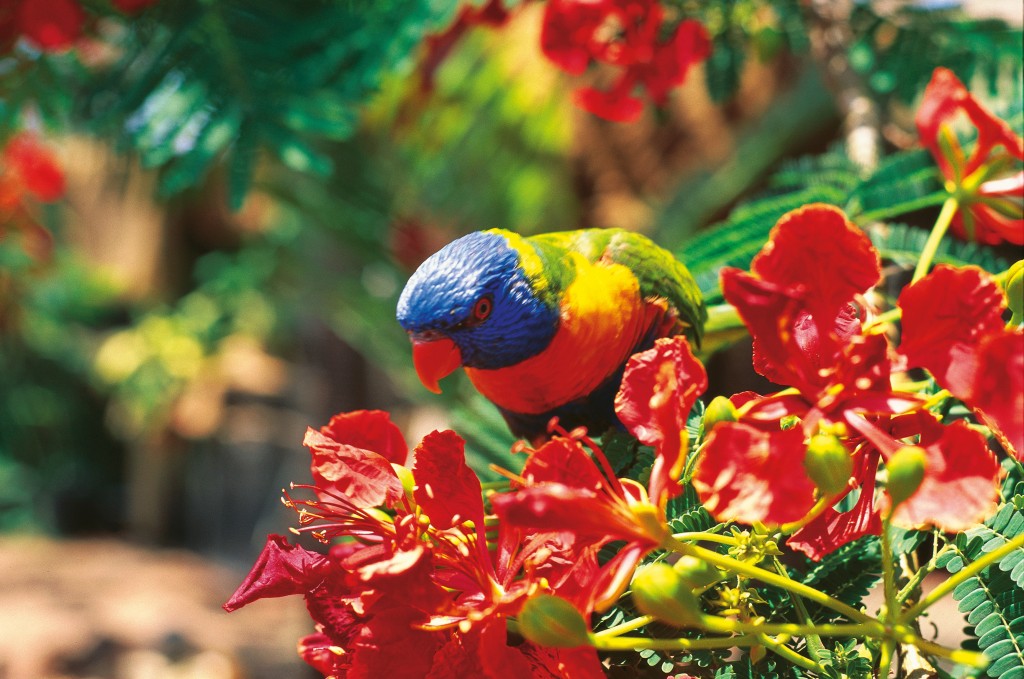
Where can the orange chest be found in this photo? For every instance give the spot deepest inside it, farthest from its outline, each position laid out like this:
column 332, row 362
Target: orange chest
column 603, row 318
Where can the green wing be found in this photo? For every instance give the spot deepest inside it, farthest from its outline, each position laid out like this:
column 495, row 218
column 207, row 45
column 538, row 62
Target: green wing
column 660, row 274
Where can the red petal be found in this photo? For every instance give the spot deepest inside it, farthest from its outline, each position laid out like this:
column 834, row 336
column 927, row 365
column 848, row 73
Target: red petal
column 446, row 488
column 994, row 385
column 369, row 430
column 35, row 166
column 391, row 644
column 945, row 314
column 563, row 663
column 672, row 61
column 815, row 248
column 53, row 25
column 566, row 32
column 788, row 346
column 616, row 105
column 748, row 475
column 281, row 569
column 659, row 388
column 363, row 476
column 323, row 655
column 557, row 507
column 946, row 97
column 960, row 486
column 563, row 460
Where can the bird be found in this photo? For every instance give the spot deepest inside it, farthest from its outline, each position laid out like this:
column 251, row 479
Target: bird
column 544, row 325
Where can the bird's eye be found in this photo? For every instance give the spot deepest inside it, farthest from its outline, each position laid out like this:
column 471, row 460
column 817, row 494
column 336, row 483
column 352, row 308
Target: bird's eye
column 482, row 308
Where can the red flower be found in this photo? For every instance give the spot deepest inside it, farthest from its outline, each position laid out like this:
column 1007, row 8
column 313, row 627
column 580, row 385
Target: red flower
column 659, row 388
column 983, row 181
column 28, row 165
column 52, row 25
column 752, row 476
column 565, row 492
column 960, row 487
column 420, row 592
column 624, row 34
column 28, row 168
column 953, row 327
column 345, row 462
column 799, row 306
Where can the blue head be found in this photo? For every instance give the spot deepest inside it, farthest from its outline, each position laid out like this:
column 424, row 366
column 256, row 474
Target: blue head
column 475, row 293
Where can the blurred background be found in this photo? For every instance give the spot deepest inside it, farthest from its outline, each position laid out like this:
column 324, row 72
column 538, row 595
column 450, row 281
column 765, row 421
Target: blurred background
column 224, row 198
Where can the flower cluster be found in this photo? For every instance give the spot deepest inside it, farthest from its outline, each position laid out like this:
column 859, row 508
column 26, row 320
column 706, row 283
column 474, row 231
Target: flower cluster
column 626, row 35
column 418, row 582
column 418, row 586
column 777, row 462
column 51, row 25
column 28, row 171
column 988, row 183
column 635, row 37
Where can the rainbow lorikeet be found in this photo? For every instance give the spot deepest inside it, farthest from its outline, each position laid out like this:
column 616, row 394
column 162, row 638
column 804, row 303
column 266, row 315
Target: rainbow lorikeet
column 543, row 325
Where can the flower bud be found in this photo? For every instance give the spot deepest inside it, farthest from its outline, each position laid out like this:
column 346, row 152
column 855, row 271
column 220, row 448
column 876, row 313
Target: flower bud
column 906, row 471
column 697, row 572
column 659, row 591
column 552, row 621
column 828, row 464
column 1013, row 286
column 720, row 409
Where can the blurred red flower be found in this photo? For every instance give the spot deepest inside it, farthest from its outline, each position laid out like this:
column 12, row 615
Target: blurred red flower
column 51, row 25
column 989, row 190
column 29, row 166
column 625, row 34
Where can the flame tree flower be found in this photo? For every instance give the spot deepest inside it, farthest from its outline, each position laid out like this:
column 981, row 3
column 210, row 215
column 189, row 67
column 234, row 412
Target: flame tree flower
column 409, row 587
column 569, row 492
column 625, row 34
column 807, row 331
column 986, row 185
column 953, row 327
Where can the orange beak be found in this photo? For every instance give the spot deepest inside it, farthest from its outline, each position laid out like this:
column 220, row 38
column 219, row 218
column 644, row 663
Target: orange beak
column 434, row 359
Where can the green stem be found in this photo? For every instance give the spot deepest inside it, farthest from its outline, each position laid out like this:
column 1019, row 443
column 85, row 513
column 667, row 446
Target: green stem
column 814, row 644
column 957, row 655
column 949, row 208
column 726, row 626
column 736, row 566
column 885, row 658
column 919, row 577
column 722, row 317
column 706, row 537
column 817, row 510
column 962, row 576
column 888, row 574
column 897, row 209
column 680, row 644
column 623, row 627
column 784, row 651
